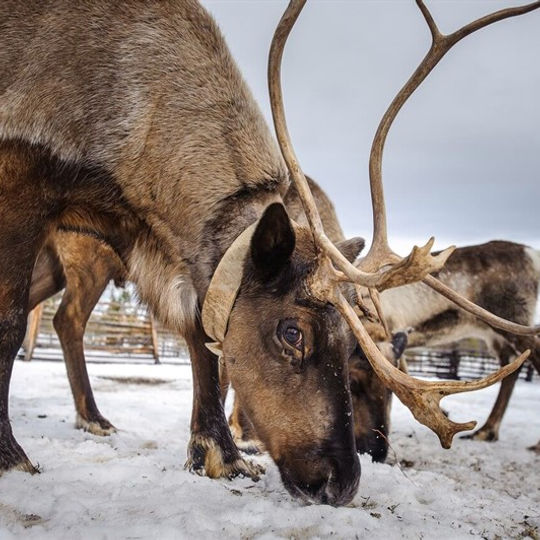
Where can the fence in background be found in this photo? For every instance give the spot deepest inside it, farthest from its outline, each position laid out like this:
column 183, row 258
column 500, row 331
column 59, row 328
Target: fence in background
column 120, row 329
column 466, row 360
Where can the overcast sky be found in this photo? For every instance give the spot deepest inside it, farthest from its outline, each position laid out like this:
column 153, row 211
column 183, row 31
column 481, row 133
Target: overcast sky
column 462, row 161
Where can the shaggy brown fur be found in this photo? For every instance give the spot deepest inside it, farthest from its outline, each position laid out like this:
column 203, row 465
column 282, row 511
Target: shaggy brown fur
column 131, row 120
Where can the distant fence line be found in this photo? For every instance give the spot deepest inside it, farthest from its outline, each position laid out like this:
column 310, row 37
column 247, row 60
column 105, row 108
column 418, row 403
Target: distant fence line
column 123, row 330
column 117, row 330
column 458, row 362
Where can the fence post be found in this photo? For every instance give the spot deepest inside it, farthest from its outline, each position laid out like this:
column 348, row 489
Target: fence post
column 155, row 342
column 454, row 364
column 530, row 370
column 34, row 320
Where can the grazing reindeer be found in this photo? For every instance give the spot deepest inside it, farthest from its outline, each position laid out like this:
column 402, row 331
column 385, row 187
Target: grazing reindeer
column 84, row 264
column 145, row 133
column 132, row 120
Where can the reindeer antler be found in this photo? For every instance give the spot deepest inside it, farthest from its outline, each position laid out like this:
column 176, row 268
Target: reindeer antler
column 414, row 267
column 382, row 268
column 380, row 251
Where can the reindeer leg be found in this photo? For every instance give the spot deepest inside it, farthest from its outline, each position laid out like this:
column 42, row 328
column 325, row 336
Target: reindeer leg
column 490, row 430
column 242, row 430
column 535, row 361
column 211, row 449
column 14, row 281
column 85, row 284
column 21, row 235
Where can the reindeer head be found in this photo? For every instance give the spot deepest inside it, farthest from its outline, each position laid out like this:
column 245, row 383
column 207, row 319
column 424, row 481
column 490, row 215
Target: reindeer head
column 372, row 400
column 382, row 268
column 286, row 355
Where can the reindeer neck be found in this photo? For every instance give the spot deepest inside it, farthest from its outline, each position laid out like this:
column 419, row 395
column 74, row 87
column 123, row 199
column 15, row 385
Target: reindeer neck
column 233, row 217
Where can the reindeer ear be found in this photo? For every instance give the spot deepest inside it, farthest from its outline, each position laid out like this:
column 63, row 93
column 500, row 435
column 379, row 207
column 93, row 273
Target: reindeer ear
column 273, row 241
column 351, row 248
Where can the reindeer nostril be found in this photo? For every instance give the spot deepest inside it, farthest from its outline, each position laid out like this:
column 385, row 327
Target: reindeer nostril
column 330, row 480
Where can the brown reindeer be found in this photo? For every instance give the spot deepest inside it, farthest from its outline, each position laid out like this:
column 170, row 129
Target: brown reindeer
column 84, row 263
column 131, row 120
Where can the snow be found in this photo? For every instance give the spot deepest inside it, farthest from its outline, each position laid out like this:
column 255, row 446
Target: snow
column 133, row 485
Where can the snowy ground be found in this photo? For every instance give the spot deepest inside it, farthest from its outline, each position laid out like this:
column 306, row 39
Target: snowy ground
column 132, row 485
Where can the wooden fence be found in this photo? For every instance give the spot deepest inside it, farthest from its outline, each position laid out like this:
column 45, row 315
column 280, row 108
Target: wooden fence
column 120, row 330
column 467, row 360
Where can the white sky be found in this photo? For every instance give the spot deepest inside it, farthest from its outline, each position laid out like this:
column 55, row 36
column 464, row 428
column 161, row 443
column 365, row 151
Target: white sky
column 462, row 160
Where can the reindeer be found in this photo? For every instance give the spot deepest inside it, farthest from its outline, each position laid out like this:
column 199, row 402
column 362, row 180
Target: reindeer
column 500, row 276
column 83, row 264
column 131, row 120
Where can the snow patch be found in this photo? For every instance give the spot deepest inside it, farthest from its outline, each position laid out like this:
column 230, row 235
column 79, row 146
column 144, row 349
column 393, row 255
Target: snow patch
column 132, row 484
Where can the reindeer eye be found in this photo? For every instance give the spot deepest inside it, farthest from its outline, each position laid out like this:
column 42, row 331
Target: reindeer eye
column 290, row 334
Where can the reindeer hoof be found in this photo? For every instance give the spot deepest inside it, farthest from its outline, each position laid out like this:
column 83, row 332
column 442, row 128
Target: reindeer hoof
column 12, row 456
column 251, row 446
column 206, row 458
column 24, row 465
column 486, row 435
column 100, row 426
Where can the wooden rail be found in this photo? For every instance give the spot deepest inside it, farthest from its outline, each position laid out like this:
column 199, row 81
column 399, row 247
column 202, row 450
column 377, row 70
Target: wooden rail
column 458, row 363
column 116, row 328
column 127, row 330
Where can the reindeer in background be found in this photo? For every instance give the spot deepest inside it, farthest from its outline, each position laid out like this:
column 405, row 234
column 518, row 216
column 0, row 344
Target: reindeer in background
column 502, row 277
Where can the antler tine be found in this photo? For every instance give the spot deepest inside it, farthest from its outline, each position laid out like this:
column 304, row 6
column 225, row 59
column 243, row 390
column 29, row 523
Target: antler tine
column 421, row 397
column 481, row 313
column 281, row 34
column 276, row 99
column 279, row 40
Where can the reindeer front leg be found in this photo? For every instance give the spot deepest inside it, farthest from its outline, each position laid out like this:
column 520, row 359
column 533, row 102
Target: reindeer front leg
column 211, row 450
column 21, row 234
